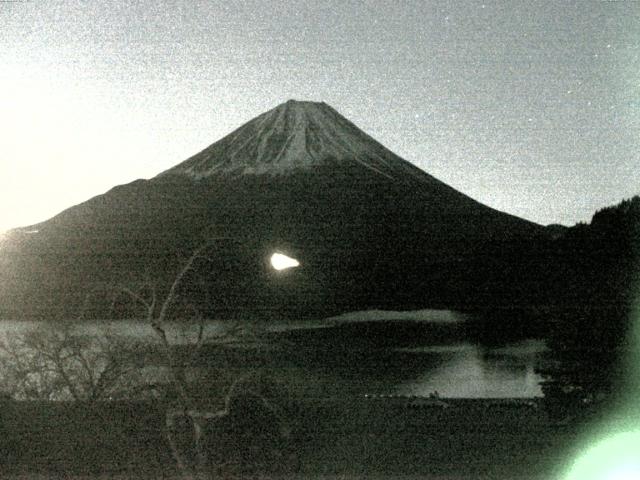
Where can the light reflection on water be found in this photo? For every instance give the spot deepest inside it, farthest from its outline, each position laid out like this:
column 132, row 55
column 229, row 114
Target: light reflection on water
column 473, row 371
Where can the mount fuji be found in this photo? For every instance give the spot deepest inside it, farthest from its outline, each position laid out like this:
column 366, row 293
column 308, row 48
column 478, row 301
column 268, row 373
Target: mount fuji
column 368, row 229
column 296, row 136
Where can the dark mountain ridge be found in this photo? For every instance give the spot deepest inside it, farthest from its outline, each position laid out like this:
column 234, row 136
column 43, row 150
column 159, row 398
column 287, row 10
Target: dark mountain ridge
column 369, row 229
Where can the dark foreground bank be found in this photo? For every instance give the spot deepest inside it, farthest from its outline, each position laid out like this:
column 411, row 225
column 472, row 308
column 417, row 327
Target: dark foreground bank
column 364, row 438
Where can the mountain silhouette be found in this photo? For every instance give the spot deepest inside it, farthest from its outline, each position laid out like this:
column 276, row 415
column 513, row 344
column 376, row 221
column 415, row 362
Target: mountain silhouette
column 369, row 229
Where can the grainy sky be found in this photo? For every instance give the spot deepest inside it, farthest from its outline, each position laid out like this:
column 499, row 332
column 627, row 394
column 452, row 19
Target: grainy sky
column 530, row 107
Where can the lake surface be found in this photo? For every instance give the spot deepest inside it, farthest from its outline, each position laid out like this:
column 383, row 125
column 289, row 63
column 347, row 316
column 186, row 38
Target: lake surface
column 454, row 369
column 475, row 371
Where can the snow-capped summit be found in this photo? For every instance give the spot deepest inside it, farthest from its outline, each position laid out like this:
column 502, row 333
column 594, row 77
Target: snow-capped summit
column 293, row 136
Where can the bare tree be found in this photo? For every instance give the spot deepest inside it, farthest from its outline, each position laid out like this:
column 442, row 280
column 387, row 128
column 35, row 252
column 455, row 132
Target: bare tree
column 198, row 414
column 57, row 362
column 60, row 362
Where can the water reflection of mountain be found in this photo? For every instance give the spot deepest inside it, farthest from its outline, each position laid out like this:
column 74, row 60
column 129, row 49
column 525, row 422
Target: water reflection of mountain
column 474, row 371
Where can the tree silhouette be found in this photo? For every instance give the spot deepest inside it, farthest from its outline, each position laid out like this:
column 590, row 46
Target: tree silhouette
column 189, row 418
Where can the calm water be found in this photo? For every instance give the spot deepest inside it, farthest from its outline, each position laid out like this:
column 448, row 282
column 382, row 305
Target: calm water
column 473, row 371
column 457, row 369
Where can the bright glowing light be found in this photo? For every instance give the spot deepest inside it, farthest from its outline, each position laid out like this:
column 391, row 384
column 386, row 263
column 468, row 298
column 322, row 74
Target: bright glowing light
column 614, row 458
column 282, row 262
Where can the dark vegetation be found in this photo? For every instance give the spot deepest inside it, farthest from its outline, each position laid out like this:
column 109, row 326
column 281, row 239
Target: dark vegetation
column 576, row 288
column 593, row 284
column 359, row 439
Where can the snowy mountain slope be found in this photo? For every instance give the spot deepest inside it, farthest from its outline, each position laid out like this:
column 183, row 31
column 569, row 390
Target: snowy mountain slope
column 296, row 135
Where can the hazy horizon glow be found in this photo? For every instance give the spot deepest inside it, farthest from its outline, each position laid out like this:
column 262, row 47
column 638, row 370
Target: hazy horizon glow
column 532, row 109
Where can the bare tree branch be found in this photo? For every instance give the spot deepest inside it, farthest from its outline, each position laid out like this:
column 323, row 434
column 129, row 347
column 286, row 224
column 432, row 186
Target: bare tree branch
column 156, row 315
column 176, row 283
column 54, row 362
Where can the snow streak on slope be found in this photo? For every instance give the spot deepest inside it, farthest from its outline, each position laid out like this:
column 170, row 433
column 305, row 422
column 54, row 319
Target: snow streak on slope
column 293, row 136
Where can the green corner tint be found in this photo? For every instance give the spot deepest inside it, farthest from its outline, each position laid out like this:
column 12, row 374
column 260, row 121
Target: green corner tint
column 616, row 457
column 613, row 449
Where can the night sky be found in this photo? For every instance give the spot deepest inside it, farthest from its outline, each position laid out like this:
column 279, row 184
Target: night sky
column 530, row 107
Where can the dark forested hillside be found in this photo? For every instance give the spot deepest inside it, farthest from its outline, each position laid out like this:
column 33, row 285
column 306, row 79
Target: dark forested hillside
column 593, row 285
